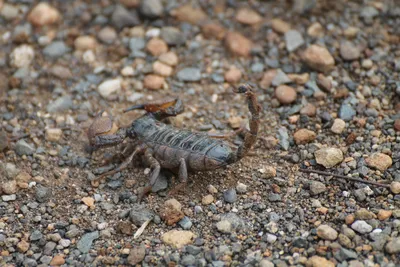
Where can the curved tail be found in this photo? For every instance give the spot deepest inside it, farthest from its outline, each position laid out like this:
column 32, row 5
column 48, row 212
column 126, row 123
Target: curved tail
column 250, row 136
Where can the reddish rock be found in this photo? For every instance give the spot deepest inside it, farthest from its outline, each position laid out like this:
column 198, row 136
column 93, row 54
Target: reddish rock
column 233, row 75
column 318, row 58
column 267, row 79
column 248, row 16
column 285, row 94
column 43, row 14
column 237, row 44
column 213, row 30
column 171, row 212
column 189, row 14
column 157, row 46
column 304, row 136
column 153, row 82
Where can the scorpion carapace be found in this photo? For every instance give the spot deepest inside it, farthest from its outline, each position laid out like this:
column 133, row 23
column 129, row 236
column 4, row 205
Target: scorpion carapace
column 164, row 146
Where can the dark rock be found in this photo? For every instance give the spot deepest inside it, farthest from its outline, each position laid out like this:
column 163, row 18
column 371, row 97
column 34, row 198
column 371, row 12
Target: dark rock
column 151, row 8
column 173, row 36
column 23, row 148
column 42, row 193
column 230, row 195
column 121, row 17
column 140, row 214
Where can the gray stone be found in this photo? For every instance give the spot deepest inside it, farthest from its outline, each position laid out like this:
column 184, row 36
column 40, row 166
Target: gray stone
column 172, row 36
column 224, row 226
column 346, row 112
column 151, row 8
column 36, row 235
column 185, row 223
column 136, row 43
column 188, row 260
column 369, row 12
column 189, row 75
column 271, row 238
column 283, row 138
column 393, row 246
column 274, row 197
column 293, row 40
column 48, row 248
column 7, row 198
column 11, row 170
column 72, row 233
column 161, row 183
column 56, row 49
column 236, row 222
column 23, row 148
column 86, row 241
column 361, row 226
column 317, row 187
column 121, row 17
column 61, row 104
column 344, row 254
column 230, row 195
column 42, row 193
column 280, row 78
column 140, row 214
column 45, row 259
column 266, row 263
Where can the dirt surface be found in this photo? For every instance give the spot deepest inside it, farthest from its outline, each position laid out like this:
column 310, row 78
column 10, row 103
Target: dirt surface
column 326, row 76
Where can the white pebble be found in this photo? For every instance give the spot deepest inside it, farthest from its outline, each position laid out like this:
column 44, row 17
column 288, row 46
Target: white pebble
column 108, row 87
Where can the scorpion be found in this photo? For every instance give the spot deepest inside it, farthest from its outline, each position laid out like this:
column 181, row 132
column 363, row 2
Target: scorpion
column 164, row 146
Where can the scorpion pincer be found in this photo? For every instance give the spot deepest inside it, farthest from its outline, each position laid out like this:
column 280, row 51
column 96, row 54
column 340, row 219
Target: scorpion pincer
column 164, row 146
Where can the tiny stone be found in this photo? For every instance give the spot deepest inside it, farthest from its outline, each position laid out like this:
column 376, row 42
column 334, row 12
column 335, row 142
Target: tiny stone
column 153, row 82
column 230, row 195
column 109, row 87
column 361, row 226
column 224, row 226
column 280, row 26
column 248, row 16
column 293, row 40
column 285, row 94
column 241, row 188
column 329, row 157
column 22, row 56
column 43, row 14
column 338, row 126
column 172, row 36
column 317, row 187
column 326, row 232
column 189, row 75
column 207, row 200
column 304, row 136
column 318, row 58
column 379, row 161
column 349, row 51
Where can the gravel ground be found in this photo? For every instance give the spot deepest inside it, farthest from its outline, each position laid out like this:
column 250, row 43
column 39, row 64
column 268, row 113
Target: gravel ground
column 327, row 78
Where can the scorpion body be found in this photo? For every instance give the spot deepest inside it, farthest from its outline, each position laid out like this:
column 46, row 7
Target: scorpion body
column 170, row 144
column 164, row 146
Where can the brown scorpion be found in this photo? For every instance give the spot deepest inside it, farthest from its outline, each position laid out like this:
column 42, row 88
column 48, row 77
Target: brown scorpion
column 164, row 146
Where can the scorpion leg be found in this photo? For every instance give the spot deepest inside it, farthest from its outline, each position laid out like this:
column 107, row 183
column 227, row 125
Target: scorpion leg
column 183, row 178
column 123, row 165
column 119, row 156
column 250, row 136
column 155, row 165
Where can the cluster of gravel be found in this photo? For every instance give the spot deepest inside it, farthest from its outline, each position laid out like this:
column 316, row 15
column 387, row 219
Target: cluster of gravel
column 327, row 78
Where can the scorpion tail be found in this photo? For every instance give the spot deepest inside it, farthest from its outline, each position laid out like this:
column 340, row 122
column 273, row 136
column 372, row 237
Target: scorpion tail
column 250, row 136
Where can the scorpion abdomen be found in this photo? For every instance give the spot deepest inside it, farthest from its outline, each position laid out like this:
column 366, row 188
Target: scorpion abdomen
column 200, row 152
